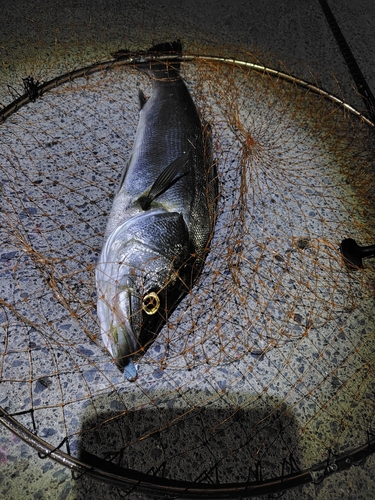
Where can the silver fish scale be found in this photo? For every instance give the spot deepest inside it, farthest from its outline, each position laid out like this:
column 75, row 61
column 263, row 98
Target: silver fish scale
column 160, row 224
column 169, row 126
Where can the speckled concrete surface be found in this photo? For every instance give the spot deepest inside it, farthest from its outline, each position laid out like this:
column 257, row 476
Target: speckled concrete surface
column 62, row 37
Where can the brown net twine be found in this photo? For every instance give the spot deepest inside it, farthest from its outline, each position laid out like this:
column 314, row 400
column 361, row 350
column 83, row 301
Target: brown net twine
column 269, row 361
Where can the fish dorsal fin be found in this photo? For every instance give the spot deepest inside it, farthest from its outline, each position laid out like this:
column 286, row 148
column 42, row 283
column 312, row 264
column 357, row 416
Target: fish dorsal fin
column 166, row 180
column 142, row 98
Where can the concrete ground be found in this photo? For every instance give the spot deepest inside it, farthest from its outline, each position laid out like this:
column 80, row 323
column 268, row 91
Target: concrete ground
column 48, row 38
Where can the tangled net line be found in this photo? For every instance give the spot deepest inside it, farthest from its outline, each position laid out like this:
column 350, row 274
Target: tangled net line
column 271, row 354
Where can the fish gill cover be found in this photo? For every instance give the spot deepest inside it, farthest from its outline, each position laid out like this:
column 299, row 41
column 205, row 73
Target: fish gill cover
column 269, row 358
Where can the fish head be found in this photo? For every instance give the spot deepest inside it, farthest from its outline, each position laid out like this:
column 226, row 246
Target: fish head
column 141, row 278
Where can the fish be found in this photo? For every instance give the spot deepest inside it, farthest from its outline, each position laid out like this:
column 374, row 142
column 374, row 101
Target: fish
column 162, row 219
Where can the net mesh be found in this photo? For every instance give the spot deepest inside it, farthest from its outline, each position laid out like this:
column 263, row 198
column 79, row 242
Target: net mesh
column 268, row 362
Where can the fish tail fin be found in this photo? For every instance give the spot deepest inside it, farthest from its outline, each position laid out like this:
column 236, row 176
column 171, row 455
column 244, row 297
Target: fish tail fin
column 163, row 61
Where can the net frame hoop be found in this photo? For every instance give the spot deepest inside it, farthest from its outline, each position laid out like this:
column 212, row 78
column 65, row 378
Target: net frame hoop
column 132, row 60
column 117, row 476
column 109, row 473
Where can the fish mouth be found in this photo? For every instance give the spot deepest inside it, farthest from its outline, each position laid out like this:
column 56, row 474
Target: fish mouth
column 123, row 341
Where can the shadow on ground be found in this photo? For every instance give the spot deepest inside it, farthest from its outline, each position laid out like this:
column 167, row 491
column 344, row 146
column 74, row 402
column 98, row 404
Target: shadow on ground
column 197, row 444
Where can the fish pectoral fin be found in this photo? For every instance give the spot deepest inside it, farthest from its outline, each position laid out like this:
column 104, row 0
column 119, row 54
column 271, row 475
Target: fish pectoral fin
column 142, row 98
column 166, row 179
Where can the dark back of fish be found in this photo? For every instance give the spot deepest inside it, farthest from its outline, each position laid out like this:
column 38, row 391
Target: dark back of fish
column 169, row 126
column 162, row 217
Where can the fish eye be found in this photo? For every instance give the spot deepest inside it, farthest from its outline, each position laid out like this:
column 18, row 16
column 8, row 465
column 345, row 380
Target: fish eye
column 150, row 303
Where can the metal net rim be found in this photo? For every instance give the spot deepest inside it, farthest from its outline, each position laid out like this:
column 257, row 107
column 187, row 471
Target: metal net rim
column 38, row 90
column 115, row 475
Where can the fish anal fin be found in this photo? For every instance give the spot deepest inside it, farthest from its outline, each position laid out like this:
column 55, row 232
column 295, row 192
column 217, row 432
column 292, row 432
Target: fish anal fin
column 166, row 179
column 123, row 175
column 142, row 98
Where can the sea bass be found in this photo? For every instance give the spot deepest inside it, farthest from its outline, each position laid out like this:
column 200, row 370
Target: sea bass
column 162, row 218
